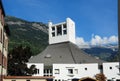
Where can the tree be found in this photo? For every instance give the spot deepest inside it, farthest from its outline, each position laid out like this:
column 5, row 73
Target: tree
column 17, row 59
column 100, row 77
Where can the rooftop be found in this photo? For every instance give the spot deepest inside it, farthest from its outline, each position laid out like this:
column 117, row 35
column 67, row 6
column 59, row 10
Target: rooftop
column 66, row 52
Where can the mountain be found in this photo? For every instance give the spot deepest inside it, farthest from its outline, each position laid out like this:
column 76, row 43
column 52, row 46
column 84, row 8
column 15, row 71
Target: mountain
column 33, row 34
column 107, row 53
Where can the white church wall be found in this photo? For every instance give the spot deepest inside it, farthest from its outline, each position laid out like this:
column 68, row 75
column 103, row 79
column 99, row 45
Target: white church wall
column 67, row 30
column 39, row 67
column 70, row 71
column 88, row 70
column 111, row 70
column 71, row 29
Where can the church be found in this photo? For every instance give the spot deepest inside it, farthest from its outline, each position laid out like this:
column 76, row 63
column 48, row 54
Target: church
column 64, row 60
column 62, row 48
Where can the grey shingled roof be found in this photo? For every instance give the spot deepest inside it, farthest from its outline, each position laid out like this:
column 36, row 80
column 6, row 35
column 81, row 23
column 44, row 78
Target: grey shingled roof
column 63, row 53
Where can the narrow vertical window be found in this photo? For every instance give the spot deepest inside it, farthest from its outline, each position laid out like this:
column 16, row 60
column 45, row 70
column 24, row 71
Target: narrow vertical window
column 64, row 29
column 59, row 30
column 53, row 28
column 64, row 32
column 53, row 34
column 53, row 31
column 64, row 26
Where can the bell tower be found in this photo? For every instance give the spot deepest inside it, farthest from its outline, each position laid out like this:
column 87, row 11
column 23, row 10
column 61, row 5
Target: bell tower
column 62, row 32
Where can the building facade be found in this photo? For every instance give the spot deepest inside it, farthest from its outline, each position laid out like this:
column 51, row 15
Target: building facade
column 68, row 72
column 112, row 70
column 3, row 44
column 3, row 55
column 66, row 61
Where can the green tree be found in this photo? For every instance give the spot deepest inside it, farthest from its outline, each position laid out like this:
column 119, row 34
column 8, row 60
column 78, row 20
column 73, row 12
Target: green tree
column 17, row 59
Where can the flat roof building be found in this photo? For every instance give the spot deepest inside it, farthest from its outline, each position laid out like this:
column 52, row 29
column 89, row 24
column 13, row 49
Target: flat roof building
column 3, row 44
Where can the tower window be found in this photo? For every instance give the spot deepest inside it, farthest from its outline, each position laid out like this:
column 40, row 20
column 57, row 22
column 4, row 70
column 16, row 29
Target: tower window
column 64, row 26
column 53, row 28
column 59, row 30
column 64, row 32
column 53, row 34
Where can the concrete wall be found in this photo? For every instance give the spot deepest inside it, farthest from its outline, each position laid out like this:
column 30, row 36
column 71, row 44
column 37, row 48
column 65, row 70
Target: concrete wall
column 70, row 28
column 70, row 71
column 111, row 70
column 78, row 71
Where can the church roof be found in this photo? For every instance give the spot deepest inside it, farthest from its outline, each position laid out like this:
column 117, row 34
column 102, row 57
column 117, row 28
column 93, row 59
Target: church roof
column 66, row 52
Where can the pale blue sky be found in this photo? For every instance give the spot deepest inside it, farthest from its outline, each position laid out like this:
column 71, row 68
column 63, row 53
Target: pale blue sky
column 98, row 17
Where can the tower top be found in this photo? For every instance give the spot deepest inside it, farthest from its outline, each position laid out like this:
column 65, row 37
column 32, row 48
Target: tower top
column 62, row 32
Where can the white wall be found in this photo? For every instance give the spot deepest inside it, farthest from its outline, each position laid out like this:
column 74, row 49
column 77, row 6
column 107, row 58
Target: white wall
column 39, row 66
column 60, row 71
column 70, row 36
column 111, row 70
column 92, row 70
column 71, row 30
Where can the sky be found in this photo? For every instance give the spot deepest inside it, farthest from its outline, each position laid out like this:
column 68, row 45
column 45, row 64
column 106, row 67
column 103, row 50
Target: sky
column 96, row 20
